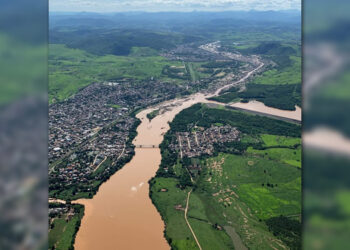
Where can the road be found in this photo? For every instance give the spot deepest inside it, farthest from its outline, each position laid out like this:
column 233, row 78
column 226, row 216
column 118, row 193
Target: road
column 240, row 80
column 188, row 224
column 121, row 154
column 100, row 163
column 51, row 200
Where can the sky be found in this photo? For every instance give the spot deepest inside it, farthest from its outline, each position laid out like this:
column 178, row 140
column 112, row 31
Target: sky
column 170, row 5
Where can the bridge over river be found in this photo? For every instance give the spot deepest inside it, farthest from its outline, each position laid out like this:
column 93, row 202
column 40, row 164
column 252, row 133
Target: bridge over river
column 146, row 146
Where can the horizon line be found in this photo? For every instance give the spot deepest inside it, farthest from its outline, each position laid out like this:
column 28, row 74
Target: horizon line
column 171, row 11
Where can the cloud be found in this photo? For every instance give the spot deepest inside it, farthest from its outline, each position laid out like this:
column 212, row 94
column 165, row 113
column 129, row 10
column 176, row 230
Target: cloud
column 171, row 5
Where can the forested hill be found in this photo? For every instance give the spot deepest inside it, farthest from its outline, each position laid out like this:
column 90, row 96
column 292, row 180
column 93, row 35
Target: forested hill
column 118, row 42
column 117, row 33
column 171, row 20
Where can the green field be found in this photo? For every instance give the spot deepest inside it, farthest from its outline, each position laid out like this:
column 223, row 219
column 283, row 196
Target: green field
column 280, row 148
column 248, row 173
column 288, row 75
column 338, row 88
column 72, row 69
column 286, row 155
column 22, row 68
column 143, row 51
column 230, row 195
column 193, row 70
column 250, row 198
column 62, row 235
column 245, row 46
column 177, row 232
column 203, row 225
column 273, row 140
column 116, row 106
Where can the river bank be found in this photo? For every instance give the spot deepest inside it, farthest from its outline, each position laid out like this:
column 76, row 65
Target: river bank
column 121, row 214
column 219, row 180
column 106, row 216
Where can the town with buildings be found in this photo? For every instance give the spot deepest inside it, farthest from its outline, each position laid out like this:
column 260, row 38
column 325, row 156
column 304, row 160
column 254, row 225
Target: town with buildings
column 90, row 133
column 201, row 141
column 81, row 117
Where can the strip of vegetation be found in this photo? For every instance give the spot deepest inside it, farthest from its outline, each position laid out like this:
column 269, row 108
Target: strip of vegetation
column 277, row 96
column 226, row 98
column 221, row 64
column 203, row 116
column 116, row 106
column 64, row 226
column 220, row 68
column 152, row 114
column 176, row 72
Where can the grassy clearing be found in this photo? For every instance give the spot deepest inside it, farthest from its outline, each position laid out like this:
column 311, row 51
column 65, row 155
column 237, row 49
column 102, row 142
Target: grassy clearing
column 248, row 173
column 274, row 140
column 233, row 187
column 191, row 72
column 279, row 151
column 176, row 232
column 68, row 194
column 245, row 46
column 194, row 70
column 22, row 69
column 208, row 236
column 62, row 235
column 116, row 106
column 229, row 193
column 289, row 156
column 338, row 89
column 143, row 51
column 289, row 75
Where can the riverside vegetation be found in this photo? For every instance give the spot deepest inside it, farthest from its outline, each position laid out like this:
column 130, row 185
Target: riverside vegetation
column 251, row 186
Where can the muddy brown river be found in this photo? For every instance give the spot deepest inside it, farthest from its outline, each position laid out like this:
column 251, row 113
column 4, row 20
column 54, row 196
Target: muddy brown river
column 261, row 108
column 121, row 215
